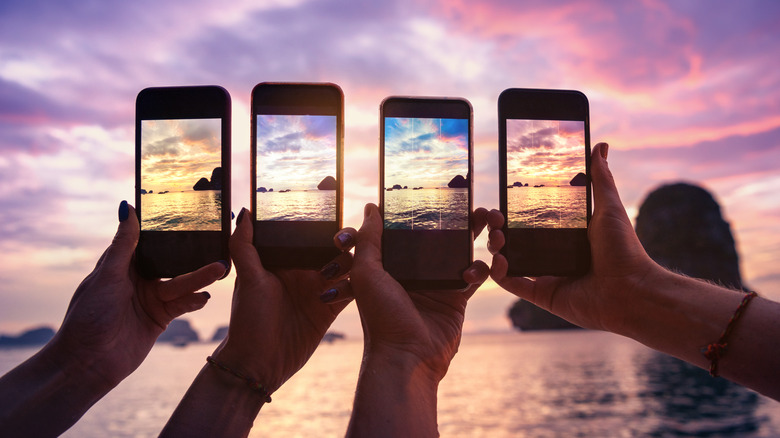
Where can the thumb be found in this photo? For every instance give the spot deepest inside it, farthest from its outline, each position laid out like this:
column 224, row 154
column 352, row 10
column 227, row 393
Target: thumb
column 120, row 252
column 369, row 242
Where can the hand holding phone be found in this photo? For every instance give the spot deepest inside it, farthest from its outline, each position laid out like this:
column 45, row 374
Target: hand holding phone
column 426, row 190
column 544, row 173
column 182, row 180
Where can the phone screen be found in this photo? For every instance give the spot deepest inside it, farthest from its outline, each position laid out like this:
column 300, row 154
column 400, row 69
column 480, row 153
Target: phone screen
column 426, row 191
column 181, row 175
column 546, row 179
column 296, row 167
column 426, row 165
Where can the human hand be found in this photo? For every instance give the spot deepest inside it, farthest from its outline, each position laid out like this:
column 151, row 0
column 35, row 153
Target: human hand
column 424, row 326
column 278, row 318
column 601, row 298
column 115, row 316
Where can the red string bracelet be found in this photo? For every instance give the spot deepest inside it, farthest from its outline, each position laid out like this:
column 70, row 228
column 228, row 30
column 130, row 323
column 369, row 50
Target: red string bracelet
column 252, row 383
column 715, row 351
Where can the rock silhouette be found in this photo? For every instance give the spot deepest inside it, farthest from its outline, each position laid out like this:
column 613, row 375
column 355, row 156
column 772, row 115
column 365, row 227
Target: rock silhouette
column 36, row 336
column 681, row 227
column 579, row 180
column 214, row 184
column 179, row 332
column 328, row 183
column 459, row 182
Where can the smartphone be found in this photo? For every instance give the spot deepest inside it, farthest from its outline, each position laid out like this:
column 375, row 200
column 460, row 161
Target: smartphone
column 425, row 190
column 544, row 174
column 182, row 178
column 297, row 179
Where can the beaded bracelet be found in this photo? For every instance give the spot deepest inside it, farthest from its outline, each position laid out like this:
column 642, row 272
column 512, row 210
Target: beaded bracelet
column 715, row 351
column 252, row 383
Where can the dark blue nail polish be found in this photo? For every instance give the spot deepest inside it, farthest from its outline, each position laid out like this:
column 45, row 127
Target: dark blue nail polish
column 241, row 215
column 208, row 295
column 225, row 263
column 232, row 215
column 330, row 270
column 345, row 239
column 329, row 295
column 124, row 211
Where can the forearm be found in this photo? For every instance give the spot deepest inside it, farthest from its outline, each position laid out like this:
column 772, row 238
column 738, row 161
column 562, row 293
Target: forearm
column 394, row 397
column 216, row 404
column 681, row 316
column 47, row 394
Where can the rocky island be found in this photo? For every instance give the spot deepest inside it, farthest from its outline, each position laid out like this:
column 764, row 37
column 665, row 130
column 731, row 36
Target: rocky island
column 579, row 180
column 32, row 337
column 328, row 183
column 459, row 182
column 214, row 184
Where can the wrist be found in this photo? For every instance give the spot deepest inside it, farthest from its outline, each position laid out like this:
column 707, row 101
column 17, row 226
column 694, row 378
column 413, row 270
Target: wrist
column 77, row 365
column 396, row 396
column 679, row 315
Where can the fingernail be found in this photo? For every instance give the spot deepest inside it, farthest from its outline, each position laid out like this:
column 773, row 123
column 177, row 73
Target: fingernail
column 232, row 215
column 124, row 211
column 330, row 270
column 225, row 264
column 241, row 215
column 329, row 295
column 604, row 150
column 345, row 239
column 208, row 295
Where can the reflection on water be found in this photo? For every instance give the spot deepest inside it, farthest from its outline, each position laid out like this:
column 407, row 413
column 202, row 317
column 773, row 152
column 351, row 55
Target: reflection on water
column 193, row 210
column 694, row 404
column 540, row 384
column 312, row 205
column 547, row 207
column 427, row 209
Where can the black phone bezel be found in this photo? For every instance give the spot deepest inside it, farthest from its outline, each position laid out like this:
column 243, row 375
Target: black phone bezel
column 401, row 246
column 297, row 244
column 167, row 254
column 535, row 252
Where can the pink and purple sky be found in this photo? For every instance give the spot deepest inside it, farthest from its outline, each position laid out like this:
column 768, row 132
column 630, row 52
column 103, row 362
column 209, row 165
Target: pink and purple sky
column 681, row 90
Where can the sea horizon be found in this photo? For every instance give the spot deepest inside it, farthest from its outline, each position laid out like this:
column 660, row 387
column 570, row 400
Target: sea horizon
column 513, row 384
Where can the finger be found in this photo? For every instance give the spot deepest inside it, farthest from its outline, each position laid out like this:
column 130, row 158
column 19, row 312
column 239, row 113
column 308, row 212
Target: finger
column 495, row 220
column 186, row 304
column 242, row 250
column 475, row 275
column 605, row 193
column 369, row 243
column 478, row 221
column 186, row 284
column 522, row 287
column 337, row 268
column 119, row 254
column 341, row 292
column 496, row 241
column 345, row 239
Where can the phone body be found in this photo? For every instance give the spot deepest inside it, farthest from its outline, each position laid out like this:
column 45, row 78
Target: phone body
column 544, row 175
column 297, row 182
column 425, row 190
column 182, row 178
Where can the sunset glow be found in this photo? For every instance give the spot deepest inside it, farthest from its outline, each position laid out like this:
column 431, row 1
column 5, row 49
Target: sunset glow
column 682, row 91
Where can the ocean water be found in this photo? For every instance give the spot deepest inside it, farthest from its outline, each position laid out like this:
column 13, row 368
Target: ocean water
column 427, row 209
column 312, row 205
column 547, row 207
column 540, row 384
column 191, row 210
